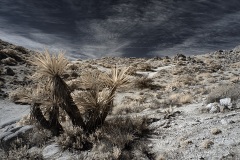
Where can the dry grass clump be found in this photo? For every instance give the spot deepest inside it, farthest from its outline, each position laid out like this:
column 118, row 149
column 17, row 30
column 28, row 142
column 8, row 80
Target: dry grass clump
column 22, row 153
column 174, row 85
column 126, row 108
column 144, row 67
column 132, row 70
column 235, row 79
column 186, row 98
column 207, row 143
column 20, row 149
column 180, row 98
column 74, row 138
column 74, row 84
column 21, row 95
column 235, row 65
column 186, row 80
column 224, row 91
column 214, row 67
column 106, row 65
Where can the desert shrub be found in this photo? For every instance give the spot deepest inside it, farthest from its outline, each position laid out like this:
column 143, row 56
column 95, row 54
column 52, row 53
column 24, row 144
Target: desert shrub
column 74, row 138
column 122, row 131
column 143, row 82
column 20, row 151
column 224, row 91
column 117, row 138
column 144, row 67
column 186, row 79
column 20, row 95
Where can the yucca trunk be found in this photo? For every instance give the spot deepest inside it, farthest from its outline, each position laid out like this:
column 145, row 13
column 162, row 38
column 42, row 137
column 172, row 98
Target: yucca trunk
column 62, row 95
column 97, row 119
column 52, row 124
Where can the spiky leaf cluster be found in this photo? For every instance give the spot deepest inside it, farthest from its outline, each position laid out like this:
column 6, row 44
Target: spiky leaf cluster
column 50, row 65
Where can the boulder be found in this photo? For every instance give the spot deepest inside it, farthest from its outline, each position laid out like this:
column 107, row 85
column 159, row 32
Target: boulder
column 9, row 61
column 226, row 102
column 9, row 71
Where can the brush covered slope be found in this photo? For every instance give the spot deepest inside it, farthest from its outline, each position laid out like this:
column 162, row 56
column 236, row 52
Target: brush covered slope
column 163, row 108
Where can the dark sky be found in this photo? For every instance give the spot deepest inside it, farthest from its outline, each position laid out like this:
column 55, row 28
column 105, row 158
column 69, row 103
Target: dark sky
column 130, row 28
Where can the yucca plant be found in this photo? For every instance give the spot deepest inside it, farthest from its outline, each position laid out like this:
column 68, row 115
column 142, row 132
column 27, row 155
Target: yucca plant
column 97, row 100
column 50, row 69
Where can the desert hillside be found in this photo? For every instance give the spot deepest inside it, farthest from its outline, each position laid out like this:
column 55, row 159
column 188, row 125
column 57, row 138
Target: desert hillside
column 181, row 107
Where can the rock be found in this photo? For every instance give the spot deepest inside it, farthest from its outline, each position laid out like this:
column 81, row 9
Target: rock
column 180, row 57
column 213, row 107
column 21, row 49
column 9, row 71
column 216, row 131
column 2, row 55
column 72, row 66
column 51, row 151
column 226, row 102
column 209, row 106
column 3, row 94
column 74, row 74
column 66, row 75
column 9, row 61
column 54, row 151
column 35, row 152
column 13, row 54
column 224, row 121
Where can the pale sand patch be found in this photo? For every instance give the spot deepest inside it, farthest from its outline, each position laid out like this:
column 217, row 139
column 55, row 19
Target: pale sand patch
column 10, row 112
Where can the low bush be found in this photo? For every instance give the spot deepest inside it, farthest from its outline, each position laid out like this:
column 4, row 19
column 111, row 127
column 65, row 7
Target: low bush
column 143, row 82
column 224, row 91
